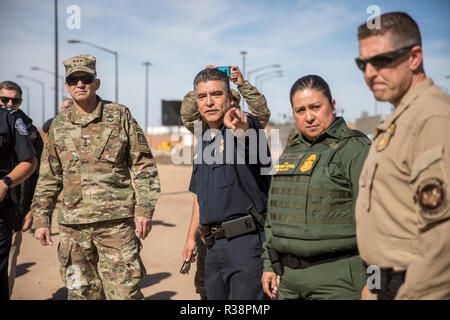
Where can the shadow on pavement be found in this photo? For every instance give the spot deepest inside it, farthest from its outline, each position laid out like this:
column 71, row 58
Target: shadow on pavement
column 60, row 294
column 152, row 279
column 22, row 268
column 162, row 223
column 163, row 295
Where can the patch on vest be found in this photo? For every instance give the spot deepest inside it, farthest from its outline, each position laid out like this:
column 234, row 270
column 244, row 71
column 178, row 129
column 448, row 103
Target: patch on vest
column 284, row 167
column 308, row 164
column 21, row 127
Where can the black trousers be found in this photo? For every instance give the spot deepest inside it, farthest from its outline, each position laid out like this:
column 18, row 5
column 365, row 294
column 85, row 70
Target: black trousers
column 234, row 268
column 6, row 229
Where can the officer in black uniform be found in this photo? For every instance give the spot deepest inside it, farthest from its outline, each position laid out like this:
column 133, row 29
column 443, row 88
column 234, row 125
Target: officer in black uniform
column 17, row 162
column 225, row 189
column 11, row 93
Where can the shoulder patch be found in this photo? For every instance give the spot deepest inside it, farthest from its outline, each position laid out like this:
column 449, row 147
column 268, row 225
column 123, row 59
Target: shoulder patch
column 141, row 138
column 21, row 127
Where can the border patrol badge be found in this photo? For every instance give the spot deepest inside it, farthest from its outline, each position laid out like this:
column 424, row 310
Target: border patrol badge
column 307, row 165
column 21, row 127
column 385, row 138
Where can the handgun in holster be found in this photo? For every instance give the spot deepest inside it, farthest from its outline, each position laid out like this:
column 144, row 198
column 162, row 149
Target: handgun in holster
column 205, row 232
column 277, row 266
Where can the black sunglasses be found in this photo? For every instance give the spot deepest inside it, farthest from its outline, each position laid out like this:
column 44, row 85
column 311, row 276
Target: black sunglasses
column 15, row 101
column 73, row 80
column 383, row 59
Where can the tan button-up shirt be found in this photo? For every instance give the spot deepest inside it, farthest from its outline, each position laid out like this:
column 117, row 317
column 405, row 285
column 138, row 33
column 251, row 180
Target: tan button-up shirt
column 402, row 211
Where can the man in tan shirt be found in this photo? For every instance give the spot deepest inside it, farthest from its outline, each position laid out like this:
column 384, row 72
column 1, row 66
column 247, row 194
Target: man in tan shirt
column 402, row 211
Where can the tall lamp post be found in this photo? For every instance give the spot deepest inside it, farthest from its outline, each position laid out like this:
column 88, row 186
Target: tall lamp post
column 115, row 53
column 53, row 74
column 43, row 92
column 147, row 65
column 278, row 75
column 278, row 72
column 261, row 68
column 28, row 97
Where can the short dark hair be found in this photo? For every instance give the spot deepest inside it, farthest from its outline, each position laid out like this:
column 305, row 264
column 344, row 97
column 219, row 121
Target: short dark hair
column 11, row 85
column 312, row 82
column 211, row 75
column 404, row 30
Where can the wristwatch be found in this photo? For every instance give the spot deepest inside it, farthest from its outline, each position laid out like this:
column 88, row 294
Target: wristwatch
column 8, row 181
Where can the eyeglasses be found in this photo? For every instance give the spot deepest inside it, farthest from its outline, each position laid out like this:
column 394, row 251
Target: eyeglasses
column 15, row 101
column 187, row 264
column 73, row 80
column 383, row 59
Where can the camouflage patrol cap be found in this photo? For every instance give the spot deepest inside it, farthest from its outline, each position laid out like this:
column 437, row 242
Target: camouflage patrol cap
column 82, row 62
column 236, row 95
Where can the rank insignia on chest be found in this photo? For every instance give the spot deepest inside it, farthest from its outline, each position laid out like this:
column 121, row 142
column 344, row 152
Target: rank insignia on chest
column 385, row 138
column 308, row 164
column 221, row 146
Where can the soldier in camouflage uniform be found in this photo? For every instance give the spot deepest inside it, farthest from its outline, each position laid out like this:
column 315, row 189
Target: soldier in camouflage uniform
column 93, row 151
column 190, row 115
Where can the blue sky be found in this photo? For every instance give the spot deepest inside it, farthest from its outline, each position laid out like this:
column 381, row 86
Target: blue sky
column 181, row 37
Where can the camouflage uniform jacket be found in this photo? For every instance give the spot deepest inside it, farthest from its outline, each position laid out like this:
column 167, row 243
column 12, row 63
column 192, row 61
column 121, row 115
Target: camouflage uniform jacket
column 92, row 158
column 256, row 101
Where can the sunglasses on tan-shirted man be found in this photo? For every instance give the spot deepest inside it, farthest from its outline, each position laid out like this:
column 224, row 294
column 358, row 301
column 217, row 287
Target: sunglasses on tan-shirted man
column 383, row 59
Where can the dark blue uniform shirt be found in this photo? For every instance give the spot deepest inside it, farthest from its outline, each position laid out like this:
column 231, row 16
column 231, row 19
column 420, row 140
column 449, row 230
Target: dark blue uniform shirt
column 227, row 173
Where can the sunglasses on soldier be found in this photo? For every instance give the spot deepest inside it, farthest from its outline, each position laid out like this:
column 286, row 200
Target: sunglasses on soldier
column 15, row 101
column 383, row 59
column 73, row 80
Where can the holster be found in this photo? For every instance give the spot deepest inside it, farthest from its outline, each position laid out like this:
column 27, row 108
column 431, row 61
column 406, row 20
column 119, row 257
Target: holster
column 205, row 232
column 390, row 282
column 277, row 266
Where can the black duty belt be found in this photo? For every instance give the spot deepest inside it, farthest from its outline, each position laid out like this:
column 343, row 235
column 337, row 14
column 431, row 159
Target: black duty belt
column 390, row 282
column 295, row 262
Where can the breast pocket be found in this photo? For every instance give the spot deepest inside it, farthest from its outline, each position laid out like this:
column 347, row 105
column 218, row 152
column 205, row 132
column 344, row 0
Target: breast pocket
column 110, row 145
column 224, row 175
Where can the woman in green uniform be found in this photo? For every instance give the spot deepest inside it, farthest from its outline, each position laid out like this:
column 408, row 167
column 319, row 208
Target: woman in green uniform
column 310, row 225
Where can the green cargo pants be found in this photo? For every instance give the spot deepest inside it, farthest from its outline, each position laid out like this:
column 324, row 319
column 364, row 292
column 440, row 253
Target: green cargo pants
column 111, row 245
column 342, row 279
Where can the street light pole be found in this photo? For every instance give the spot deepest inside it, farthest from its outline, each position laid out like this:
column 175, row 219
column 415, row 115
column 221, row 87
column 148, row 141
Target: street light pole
column 28, row 97
column 56, row 61
column 43, row 93
column 115, row 53
column 265, row 74
column 261, row 68
column 147, row 65
column 268, row 78
column 53, row 74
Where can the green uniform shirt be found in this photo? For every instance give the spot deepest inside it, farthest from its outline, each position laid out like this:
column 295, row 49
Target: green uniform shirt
column 315, row 229
column 92, row 159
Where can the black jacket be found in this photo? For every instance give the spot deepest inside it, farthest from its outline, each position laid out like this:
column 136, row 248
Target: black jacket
column 26, row 189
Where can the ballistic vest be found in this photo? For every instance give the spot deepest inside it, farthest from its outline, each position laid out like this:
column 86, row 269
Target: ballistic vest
column 306, row 202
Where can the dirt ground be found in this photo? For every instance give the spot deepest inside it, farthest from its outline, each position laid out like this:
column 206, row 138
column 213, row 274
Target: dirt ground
column 37, row 267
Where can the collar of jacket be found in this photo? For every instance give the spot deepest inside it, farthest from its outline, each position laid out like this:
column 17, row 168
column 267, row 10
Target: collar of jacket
column 75, row 117
column 333, row 131
column 405, row 102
